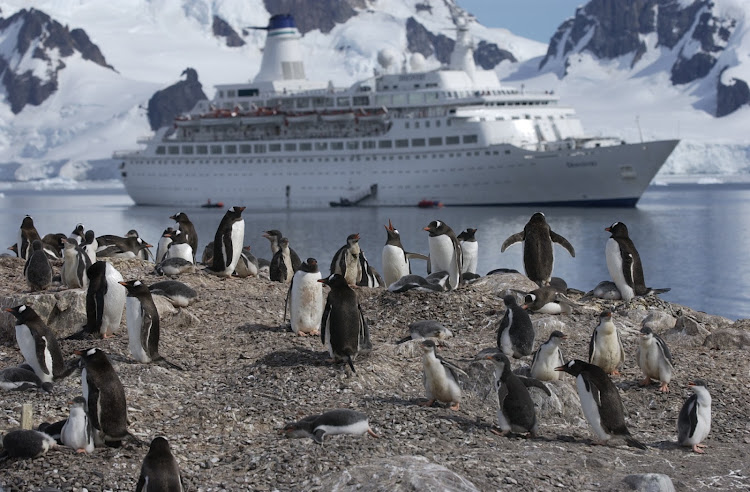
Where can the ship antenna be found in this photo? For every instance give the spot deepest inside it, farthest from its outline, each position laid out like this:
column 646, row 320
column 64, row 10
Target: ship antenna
column 638, row 123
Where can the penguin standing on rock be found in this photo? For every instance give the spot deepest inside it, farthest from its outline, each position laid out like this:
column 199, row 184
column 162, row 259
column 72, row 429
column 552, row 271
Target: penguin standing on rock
column 75, row 263
column 27, row 234
column 187, row 228
column 515, row 334
column 469, row 250
column 694, row 421
column 105, row 299
column 305, row 299
column 538, row 255
column 445, row 252
column 37, row 270
column 515, row 412
column 38, row 344
column 228, row 241
column 547, row 357
column 605, row 346
column 343, row 329
column 394, row 259
column 332, row 422
column 77, row 432
column 163, row 244
column 600, row 401
column 654, row 359
column 346, row 260
column 159, row 470
column 440, row 378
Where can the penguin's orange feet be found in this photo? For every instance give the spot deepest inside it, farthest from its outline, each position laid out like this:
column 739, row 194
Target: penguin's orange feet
column 697, row 448
column 369, row 431
column 302, row 333
column 499, row 433
column 615, row 373
column 455, row 406
column 80, row 451
column 664, row 388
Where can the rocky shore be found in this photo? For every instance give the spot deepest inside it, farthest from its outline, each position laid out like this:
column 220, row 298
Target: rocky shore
column 246, row 375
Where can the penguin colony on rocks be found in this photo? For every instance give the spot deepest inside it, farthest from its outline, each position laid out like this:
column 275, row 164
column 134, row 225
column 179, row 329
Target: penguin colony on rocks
column 100, row 415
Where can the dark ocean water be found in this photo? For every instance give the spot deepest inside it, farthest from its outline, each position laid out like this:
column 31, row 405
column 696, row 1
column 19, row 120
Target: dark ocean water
column 692, row 238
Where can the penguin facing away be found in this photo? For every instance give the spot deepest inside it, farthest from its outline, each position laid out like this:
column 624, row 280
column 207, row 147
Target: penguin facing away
column 601, row 402
column 332, row 422
column 75, row 263
column 439, row 377
column 77, row 432
column 27, row 234
column 160, row 470
column 369, row 277
column 281, row 269
column 694, row 420
column 105, row 299
column 538, row 254
column 654, row 359
column 515, row 333
column 305, row 299
column 228, row 242
column 605, row 346
column 515, row 408
column 445, row 252
column 37, row 270
column 38, row 344
column 547, row 357
column 22, row 443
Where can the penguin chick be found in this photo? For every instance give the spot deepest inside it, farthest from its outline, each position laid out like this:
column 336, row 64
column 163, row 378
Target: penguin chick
column 547, row 357
column 605, row 346
column 654, row 359
column 426, row 328
column 515, row 333
column 37, row 270
column 694, row 421
column 305, row 299
column 23, row 443
column 332, row 422
column 77, row 432
column 346, row 260
column 548, row 300
column 440, row 378
column 160, row 470
column 469, row 250
column 515, row 408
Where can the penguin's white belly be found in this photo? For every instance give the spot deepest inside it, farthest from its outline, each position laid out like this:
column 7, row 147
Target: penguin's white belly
column 352, row 274
column 704, row 425
column 653, row 364
column 134, row 319
column 505, row 344
column 161, row 249
column 614, row 265
column 307, row 302
column 183, row 251
column 327, row 337
column 443, row 258
column 91, row 252
column 591, row 410
column 75, row 433
column 114, row 301
column 469, row 252
column 607, row 354
column 544, row 365
column 550, row 308
column 395, row 264
column 439, row 384
column 27, row 345
column 357, row 428
column 237, row 236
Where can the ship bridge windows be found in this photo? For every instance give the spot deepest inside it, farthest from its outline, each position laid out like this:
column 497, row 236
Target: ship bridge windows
column 215, row 149
column 201, row 149
column 303, row 103
column 368, row 144
column 161, row 150
column 259, row 148
column 360, row 101
column 247, row 92
column 470, row 139
column 352, row 145
column 343, row 102
column 435, row 141
column 401, row 143
column 399, row 99
column 305, row 146
column 173, row 150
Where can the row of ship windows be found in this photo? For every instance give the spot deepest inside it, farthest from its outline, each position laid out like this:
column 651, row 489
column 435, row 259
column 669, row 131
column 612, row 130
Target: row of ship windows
column 262, row 148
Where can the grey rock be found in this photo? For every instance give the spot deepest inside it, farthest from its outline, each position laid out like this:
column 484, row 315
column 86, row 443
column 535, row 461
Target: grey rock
column 728, row 338
column 64, row 311
column 221, row 28
column 659, row 321
column 500, row 283
column 731, row 96
column 649, row 482
column 174, row 100
column 689, row 326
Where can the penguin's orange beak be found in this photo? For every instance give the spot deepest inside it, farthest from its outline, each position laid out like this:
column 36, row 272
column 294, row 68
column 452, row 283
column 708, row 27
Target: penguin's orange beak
column 608, row 229
column 560, row 368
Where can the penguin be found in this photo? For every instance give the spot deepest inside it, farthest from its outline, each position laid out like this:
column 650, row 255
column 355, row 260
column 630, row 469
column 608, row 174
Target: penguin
column 332, row 422
column 179, row 294
column 369, row 276
column 548, row 300
column 54, row 430
column 281, row 264
column 547, row 357
column 694, row 421
column 440, row 378
column 606, row 290
column 515, row 333
column 426, row 328
column 26, row 236
column 395, row 260
column 37, row 270
column 20, row 379
column 346, row 260
column 105, row 299
column 179, row 248
column 163, row 244
column 305, row 299
column 538, row 257
column 343, row 329
column 130, row 246
column 78, row 234
column 77, row 432
column 515, row 408
column 445, row 252
column 174, row 266
column 605, row 346
column 90, row 245
column 228, row 242
column 274, row 236
column 435, row 282
column 186, row 227
column 22, row 443
column 469, row 250
column 159, row 471
column 38, row 344
column 624, row 263
column 654, row 359
column 53, row 245
column 600, row 401
column 207, row 258
column 75, row 263
column 143, row 324
column 105, row 398
column 248, row 264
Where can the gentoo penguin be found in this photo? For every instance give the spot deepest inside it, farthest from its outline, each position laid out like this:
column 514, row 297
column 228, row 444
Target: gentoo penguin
column 605, row 346
column 78, row 234
column 105, row 299
column 600, row 401
column 538, row 256
column 20, row 378
column 440, row 378
column 75, row 263
column 163, row 244
column 274, row 236
column 369, row 277
column 77, row 432
column 436, row 282
column 332, row 422
column 37, row 270
column 26, row 444
column 26, row 236
column 624, row 263
column 306, row 299
column 187, row 228
column 606, row 289
column 426, row 328
column 346, row 260
column 53, row 245
column 143, row 324
column 515, row 408
column 281, row 264
column 445, row 252
column 469, row 250
column 395, row 260
column 694, row 421
column 548, row 300
column 654, row 359
column 38, row 344
column 515, row 333
column 179, row 294
column 179, row 248
column 343, row 329
column 159, row 470
column 105, row 397
column 174, row 266
column 130, row 246
column 248, row 264
column 228, row 241
column 89, row 245
column 547, row 357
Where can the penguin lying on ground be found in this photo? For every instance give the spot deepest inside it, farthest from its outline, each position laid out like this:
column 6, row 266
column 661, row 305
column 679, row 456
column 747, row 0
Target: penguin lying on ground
column 26, row 444
column 174, row 266
column 21, row 378
column 548, row 300
column 179, row 294
column 435, row 282
column 159, row 470
column 426, row 328
column 332, row 422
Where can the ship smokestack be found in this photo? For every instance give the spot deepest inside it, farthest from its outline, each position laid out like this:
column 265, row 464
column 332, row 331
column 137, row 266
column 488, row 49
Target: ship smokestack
column 282, row 57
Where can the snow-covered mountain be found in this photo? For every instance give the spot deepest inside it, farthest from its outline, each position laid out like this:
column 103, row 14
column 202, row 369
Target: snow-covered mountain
column 79, row 75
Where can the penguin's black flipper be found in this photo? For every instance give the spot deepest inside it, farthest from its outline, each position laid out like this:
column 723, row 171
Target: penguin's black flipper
column 165, row 363
column 351, row 364
column 657, row 291
column 515, row 238
column 533, row 382
column 70, row 366
column 556, row 238
column 404, row 340
column 318, row 436
column 635, row 443
column 287, row 302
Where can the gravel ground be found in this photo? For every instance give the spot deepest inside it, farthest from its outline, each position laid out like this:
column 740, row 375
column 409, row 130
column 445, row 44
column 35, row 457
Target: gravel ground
column 246, row 375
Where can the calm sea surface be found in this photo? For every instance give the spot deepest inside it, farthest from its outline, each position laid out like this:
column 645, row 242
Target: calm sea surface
column 692, row 238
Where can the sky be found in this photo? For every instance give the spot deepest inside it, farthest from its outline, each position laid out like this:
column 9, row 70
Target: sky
column 533, row 19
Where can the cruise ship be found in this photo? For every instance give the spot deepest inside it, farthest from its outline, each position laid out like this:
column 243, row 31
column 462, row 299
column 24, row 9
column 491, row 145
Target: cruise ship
column 405, row 136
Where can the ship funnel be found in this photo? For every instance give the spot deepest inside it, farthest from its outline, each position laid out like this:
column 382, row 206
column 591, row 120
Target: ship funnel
column 282, row 57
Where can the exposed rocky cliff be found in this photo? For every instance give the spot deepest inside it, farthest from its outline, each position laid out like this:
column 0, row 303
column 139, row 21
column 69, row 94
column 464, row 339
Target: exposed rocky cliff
column 321, row 14
column 175, row 100
column 222, row 29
